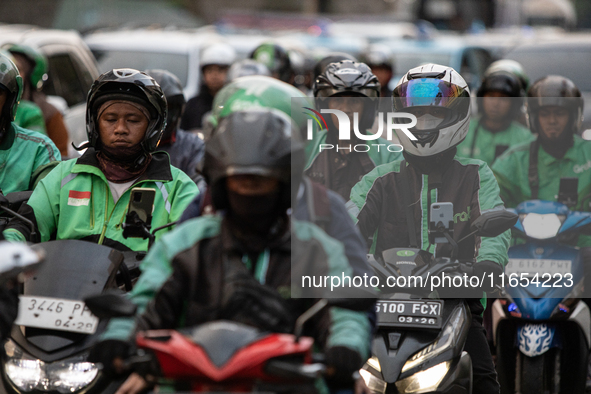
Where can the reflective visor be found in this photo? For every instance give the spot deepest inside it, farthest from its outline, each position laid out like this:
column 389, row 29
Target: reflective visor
column 427, row 92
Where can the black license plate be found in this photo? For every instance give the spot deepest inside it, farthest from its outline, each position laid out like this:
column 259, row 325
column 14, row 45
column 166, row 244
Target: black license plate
column 405, row 313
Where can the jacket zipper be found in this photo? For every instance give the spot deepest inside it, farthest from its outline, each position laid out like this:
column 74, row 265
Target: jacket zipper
column 107, row 218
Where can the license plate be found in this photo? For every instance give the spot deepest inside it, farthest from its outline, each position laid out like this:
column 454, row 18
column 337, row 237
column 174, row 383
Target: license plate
column 56, row 314
column 403, row 313
column 538, row 266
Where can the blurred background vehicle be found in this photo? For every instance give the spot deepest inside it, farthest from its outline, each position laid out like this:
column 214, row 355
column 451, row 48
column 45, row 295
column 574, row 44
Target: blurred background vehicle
column 72, row 69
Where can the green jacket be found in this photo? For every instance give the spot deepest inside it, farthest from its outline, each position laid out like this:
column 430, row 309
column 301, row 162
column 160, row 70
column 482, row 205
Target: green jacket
column 512, row 169
column 378, row 204
column 22, row 153
column 74, row 202
column 488, row 143
column 183, row 274
column 30, row 116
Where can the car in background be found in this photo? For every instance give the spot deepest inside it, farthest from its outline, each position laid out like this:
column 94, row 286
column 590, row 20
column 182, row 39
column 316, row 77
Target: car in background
column 72, row 69
column 174, row 50
column 567, row 54
column 469, row 59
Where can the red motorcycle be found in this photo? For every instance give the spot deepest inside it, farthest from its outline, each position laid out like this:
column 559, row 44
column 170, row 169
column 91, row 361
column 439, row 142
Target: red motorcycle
column 225, row 356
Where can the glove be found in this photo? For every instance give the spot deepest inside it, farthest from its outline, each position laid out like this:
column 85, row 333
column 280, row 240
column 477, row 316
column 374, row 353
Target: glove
column 342, row 362
column 105, row 352
column 487, row 268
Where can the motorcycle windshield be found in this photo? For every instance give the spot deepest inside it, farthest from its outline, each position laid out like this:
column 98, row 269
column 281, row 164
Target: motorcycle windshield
column 73, row 270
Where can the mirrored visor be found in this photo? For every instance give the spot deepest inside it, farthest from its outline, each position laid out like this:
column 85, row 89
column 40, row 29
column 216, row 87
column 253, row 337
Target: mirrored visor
column 427, row 92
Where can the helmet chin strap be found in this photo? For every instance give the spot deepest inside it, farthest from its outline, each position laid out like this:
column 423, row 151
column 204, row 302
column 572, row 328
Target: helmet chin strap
column 431, row 164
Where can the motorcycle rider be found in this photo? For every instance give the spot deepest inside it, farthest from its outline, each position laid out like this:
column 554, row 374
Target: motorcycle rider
column 249, row 251
column 87, row 198
column 23, row 153
column 329, row 212
column 343, row 86
column 379, row 58
column 392, row 203
column 500, row 99
column 33, row 68
column 215, row 61
column 276, row 58
column 533, row 170
column 185, row 149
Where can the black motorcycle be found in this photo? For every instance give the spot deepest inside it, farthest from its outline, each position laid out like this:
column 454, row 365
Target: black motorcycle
column 50, row 341
column 418, row 347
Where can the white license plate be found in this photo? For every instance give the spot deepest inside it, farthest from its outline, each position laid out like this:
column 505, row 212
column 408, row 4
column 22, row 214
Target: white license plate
column 538, row 266
column 56, row 314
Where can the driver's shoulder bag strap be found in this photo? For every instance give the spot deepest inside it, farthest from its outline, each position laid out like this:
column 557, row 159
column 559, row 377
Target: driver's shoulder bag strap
column 532, row 174
column 410, row 220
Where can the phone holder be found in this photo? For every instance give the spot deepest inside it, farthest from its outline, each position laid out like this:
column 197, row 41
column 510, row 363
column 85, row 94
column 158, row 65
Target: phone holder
column 439, row 233
column 134, row 227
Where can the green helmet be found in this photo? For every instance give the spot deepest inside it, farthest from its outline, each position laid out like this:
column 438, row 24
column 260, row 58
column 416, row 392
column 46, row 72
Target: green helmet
column 37, row 59
column 11, row 83
column 256, row 91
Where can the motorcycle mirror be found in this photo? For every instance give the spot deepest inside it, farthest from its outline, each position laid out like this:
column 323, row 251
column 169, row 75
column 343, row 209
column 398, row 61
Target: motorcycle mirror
column 493, row 223
column 109, row 305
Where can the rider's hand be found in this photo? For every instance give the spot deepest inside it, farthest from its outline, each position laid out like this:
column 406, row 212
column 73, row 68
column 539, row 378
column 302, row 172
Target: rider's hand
column 134, row 384
column 110, row 354
column 342, row 362
column 487, row 268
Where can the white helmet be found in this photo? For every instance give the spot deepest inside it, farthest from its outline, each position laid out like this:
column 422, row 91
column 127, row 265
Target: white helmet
column 220, row 54
column 429, row 86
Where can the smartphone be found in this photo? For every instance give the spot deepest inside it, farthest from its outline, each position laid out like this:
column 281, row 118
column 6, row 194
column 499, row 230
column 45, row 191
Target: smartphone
column 568, row 192
column 442, row 213
column 142, row 203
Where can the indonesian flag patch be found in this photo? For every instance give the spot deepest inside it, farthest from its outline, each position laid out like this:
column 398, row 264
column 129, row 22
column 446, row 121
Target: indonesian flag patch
column 77, row 199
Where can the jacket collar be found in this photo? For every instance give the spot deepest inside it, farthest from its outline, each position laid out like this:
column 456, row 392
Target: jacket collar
column 158, row 169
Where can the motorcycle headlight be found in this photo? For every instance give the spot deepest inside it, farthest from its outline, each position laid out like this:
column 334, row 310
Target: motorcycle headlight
column 375, row 384
column 542, row 226
column 28, row 373
column 424, row 381
column 24, row 374
column 448, row 337
column 70, row 377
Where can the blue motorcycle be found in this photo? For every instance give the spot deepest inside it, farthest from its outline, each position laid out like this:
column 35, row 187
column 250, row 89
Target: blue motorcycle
column 541, row 328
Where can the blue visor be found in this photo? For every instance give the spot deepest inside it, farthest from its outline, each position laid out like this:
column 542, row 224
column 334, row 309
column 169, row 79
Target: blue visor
column 428, row 92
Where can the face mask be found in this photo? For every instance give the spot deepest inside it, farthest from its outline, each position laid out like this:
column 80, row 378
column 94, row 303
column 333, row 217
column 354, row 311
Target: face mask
column 427, row 122
column 254, row 213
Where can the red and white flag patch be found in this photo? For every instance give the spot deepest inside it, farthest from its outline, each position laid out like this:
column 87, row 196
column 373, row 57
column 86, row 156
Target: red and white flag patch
column 77, row 199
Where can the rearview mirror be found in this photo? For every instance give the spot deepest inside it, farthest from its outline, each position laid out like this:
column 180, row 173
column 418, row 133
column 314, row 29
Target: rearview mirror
column 109, row 305
column 493, row 223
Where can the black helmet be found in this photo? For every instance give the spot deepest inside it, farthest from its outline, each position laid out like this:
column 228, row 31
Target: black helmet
column 503, row 82
column 131, row 85
column 12, row 83
column 246, row 67
column 334, row 57
column 276, row 58
column 348, row 77
column 256, row 142
column 555, row 90
column 175, row 99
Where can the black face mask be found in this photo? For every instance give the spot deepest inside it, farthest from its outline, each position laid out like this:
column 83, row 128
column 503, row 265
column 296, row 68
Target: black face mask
column 430, row 164
column 254, row 215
